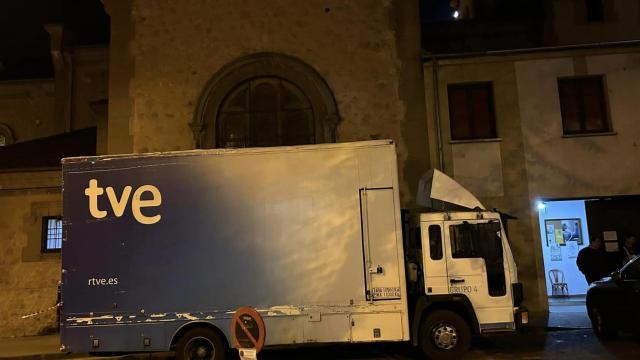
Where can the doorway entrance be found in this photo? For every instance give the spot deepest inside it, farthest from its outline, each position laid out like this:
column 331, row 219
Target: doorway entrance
column 566, row 227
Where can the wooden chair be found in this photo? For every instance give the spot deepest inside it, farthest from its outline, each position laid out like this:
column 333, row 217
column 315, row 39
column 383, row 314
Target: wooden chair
column 558, row 283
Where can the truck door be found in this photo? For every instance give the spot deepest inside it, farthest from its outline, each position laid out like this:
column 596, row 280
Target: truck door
column 476, row 268
column 435, row 264
column 380, row 244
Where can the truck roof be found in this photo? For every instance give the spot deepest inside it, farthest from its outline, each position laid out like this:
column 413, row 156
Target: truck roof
column 256, row 150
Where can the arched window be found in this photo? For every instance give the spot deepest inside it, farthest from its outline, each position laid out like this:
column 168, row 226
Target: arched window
column 265, row 111
column 265, row 100
column 6, row 136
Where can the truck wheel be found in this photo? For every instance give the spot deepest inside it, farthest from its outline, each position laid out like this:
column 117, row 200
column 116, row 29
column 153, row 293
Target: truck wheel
column 444, row 335
column 201, row 344
column 601, row 324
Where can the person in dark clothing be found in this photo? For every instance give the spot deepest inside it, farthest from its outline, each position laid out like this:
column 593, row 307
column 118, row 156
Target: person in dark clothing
column 629, row 248
column 592, row 261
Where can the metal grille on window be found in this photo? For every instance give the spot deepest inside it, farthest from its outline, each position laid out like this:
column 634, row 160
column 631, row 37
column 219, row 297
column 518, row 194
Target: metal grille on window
column 265, row 111
column 54, row 234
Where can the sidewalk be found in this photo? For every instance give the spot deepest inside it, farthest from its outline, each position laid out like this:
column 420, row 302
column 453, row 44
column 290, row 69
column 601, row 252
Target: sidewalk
column 32, row 347
column 35, row 348
column 48, row 348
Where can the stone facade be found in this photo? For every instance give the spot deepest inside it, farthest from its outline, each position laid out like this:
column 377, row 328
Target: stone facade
column 26, row 108
column 28, row 279
column 531, row 159
column 367, row 52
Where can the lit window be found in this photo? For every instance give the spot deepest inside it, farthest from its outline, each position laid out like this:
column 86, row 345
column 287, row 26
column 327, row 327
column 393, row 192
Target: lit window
column 51, row 234
column 471, row 111
column 3, row 140
column 582, row 105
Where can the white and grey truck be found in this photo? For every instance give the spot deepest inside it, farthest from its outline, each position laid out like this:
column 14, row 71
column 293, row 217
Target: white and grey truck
column 160, row 249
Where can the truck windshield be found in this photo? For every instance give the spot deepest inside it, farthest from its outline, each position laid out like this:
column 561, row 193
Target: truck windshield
column 481, row 240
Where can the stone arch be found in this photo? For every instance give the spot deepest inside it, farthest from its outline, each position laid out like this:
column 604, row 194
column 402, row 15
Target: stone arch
column 325, row 110
column 6, row 134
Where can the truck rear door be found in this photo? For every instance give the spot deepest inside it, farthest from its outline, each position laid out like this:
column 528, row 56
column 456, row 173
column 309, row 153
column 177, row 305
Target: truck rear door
column 380, row 244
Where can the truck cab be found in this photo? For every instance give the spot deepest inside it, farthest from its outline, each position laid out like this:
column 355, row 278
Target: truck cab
column 462, row 278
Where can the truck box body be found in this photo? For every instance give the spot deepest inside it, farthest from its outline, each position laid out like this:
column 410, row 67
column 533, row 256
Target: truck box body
column 310, row 236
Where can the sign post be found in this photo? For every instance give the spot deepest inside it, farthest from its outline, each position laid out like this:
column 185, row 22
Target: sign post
column 247, row 332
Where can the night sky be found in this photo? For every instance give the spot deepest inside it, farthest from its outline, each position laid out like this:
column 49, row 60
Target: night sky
column 24, row 49
column 24, row 53
column 435, row 10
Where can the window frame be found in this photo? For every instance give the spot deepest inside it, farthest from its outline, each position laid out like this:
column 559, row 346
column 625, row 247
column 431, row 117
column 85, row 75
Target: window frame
column 496, row 280
column 606, row 121
column 312, row 84
column 45, row 232
column 468, row 87
column 251, row 114
column 439, row 248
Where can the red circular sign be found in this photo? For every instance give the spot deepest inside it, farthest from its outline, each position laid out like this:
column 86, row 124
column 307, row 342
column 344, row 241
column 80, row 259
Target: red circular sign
column 247, row 329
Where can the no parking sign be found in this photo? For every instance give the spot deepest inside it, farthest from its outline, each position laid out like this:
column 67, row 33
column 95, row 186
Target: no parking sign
column 247, row 332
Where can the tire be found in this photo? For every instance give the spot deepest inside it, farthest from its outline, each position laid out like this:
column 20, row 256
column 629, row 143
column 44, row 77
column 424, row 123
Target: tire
column 201, row 344
column 444, row 335
column 601, row 324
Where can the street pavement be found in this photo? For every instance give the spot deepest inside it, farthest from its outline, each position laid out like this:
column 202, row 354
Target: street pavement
column 566, row 345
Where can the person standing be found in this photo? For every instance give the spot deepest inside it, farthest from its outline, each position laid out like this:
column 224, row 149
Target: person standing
column 592, row 261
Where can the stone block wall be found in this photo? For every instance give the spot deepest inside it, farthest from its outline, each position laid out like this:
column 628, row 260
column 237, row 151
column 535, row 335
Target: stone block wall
column 28, row 279
column 367, row 51
column 26, row 107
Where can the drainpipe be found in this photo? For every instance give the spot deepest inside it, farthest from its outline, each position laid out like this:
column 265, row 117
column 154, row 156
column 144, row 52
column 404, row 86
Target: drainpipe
column 70, row 88
column 436, row 110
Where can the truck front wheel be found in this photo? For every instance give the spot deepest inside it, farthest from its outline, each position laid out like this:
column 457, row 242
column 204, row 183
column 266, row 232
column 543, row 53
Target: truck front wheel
column 201, row 344
column 444, row 335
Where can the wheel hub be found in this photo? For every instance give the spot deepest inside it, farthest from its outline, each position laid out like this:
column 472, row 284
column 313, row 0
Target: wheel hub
column 445, row 336
column 201, row 352
column 200, row 348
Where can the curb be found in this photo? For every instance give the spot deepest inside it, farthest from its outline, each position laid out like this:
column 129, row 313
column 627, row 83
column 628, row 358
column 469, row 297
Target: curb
column 50, row 356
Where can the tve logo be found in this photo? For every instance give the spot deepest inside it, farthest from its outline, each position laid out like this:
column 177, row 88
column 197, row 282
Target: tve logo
column 118, row 205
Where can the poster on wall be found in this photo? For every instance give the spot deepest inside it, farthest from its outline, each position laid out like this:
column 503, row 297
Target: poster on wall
column 559, row 237
column 572, row 249
column 564, row 231
column 556, row 253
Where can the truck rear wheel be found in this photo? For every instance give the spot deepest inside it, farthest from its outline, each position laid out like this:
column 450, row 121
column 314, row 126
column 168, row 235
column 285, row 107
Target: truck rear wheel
column 444, row 335
column 201, row 344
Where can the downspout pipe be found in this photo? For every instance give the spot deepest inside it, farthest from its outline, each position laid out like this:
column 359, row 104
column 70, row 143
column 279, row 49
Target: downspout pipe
column 436, row 110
